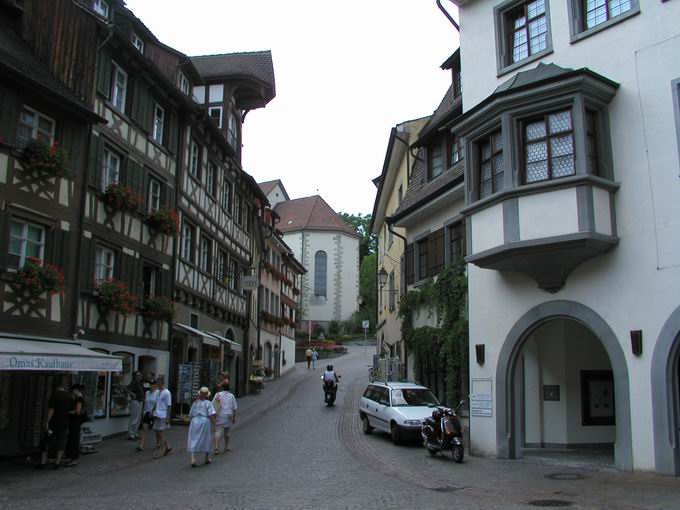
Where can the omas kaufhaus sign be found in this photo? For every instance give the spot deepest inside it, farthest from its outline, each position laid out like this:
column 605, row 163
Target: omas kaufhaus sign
column 36, row 363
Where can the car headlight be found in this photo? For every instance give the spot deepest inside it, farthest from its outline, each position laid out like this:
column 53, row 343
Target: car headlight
column 412, row 422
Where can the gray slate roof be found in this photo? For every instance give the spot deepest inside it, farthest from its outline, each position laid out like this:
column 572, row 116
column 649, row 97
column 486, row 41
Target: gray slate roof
column 256, row 64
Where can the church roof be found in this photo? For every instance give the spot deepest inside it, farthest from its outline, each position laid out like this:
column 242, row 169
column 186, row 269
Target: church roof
column 310, row 213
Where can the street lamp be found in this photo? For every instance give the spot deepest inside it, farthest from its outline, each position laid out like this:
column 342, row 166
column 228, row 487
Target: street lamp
column 382, row 276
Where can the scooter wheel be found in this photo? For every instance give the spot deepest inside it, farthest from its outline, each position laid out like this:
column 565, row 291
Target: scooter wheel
column 458, row 453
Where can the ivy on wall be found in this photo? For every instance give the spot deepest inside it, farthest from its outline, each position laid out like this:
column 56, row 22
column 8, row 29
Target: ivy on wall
column 445, row 299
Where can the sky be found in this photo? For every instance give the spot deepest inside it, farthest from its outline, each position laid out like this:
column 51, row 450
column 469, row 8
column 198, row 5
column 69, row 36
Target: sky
column 346, row 73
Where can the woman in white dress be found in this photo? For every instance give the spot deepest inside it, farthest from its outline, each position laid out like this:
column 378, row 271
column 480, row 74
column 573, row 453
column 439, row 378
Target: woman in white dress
column 202, row 416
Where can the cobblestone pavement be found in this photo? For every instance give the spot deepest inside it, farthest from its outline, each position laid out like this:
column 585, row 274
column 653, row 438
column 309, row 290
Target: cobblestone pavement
column 290, row 451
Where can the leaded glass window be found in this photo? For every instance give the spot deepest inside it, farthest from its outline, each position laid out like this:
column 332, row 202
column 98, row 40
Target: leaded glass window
column 549, row 147
column 492, row 166
column 320, row 273
column 527, row 29
column 599, row 11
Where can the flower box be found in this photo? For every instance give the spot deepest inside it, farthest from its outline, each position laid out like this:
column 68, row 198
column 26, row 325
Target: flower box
column 164, row 220
column 38, row 277
column 157, row 308
column 123, row 198
column 43, row 159
column 116, row 296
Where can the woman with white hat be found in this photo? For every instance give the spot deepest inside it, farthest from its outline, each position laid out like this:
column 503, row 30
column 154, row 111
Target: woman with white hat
column 202, row 414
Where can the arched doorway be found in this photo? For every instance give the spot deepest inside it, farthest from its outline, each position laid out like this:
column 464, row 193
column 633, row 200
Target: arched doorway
column 665, row 372
column 556, row 373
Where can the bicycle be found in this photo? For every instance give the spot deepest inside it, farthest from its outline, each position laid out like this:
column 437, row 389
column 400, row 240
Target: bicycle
column 374, row 374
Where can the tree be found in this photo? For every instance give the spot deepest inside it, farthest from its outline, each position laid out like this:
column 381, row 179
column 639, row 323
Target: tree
column 361, row 223
column 368, row 310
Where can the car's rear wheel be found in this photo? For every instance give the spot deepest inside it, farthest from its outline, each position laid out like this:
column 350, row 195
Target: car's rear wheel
column 396, row 434
column 366, row 425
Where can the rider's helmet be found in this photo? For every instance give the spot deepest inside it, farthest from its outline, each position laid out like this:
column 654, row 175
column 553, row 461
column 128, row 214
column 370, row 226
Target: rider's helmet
column 329, row 368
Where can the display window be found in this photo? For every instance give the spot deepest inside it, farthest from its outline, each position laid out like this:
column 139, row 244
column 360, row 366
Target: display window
column 120, row 405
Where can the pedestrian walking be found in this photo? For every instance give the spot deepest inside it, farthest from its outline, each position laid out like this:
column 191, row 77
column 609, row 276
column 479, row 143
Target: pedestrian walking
column 150, row 400
column 161, row 418
column 202, row 414
column 308, row 355
column 56, row 425
column 136, row 392
column 72, row 452
column 225, row 407
column 315, row 356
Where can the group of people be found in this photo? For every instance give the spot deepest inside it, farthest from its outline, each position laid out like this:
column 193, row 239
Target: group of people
column 61, row 430
column 312, row 356
column 149, row 409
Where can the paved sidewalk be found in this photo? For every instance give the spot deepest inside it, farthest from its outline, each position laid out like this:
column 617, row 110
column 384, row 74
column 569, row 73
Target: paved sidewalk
column 119, row 453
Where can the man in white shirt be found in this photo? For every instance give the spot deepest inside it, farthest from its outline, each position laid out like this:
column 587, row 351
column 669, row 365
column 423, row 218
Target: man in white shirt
column 224, row 403
column 161, row 415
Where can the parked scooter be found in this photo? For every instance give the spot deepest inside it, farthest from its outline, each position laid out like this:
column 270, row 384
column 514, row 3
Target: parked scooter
column 443, row 432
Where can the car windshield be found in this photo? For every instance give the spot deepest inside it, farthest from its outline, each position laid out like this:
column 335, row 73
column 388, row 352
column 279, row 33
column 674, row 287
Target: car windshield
column 413, row 397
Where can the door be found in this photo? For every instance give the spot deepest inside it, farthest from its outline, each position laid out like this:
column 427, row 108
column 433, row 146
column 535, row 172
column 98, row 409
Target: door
column 382, row 405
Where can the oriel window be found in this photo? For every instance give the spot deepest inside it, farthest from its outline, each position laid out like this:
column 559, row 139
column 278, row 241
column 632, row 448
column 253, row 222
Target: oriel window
column 549, row 147
column 491, row 167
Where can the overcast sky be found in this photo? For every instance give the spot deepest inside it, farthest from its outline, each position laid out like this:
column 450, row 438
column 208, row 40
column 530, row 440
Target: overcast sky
column 346, row 72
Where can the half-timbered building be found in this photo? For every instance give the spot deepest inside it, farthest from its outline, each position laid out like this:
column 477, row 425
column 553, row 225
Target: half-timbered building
column 218, row 207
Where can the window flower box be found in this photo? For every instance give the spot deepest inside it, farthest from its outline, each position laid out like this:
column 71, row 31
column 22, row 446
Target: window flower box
column 164, row 220
column 116, row 296
column 43, row 159
column 123, row 198
column 157, row 308
column 38, row 277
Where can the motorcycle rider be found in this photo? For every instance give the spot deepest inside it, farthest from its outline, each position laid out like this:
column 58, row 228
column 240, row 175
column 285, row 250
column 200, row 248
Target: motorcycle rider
column 330, row 376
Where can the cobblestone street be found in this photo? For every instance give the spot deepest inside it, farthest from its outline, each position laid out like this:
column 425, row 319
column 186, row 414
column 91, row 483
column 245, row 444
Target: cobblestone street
column 290, row 451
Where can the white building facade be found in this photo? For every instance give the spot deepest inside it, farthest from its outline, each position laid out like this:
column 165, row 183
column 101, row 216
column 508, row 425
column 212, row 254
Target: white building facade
column 571, row 128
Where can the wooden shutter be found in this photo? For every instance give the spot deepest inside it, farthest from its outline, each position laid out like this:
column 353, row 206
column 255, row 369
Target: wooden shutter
column 142, row 106
column 172, row 131
column 127, row 270
column 104, row 73
column 4, row 239
column 87, row 264
column 96, row 161
column 435, row 252
column 9, row 112
column 409, row 264
column 59, row 247
column 166, row 283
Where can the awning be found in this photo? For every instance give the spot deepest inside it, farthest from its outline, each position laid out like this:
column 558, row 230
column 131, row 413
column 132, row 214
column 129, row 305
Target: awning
column 19, row 354
column 208, row 338
column 236, row 347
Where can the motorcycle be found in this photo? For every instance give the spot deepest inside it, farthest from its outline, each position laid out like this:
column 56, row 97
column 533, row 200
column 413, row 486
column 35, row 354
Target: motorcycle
column 443, row 432
column 330, row 389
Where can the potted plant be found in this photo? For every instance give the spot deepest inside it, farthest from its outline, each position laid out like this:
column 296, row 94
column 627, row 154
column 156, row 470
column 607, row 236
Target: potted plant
column 158, row 308
column 122, row 197
column 38, row 277
column 116, row 296
column 256, row 382
column 164, row 220
column 44, row 159
column 268, row 372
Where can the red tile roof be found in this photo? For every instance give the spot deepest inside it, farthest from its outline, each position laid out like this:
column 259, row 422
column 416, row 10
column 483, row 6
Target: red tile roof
column 310, row 213
column 268, row 186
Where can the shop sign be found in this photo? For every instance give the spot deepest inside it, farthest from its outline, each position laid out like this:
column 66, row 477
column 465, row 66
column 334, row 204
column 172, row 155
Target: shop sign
column 75, row 364
column 249, row 282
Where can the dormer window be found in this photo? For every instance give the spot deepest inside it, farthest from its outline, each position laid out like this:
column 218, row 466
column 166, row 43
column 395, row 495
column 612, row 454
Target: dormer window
column 101, row 7
column 138, row 43
column 435, row 161
column 184, row 84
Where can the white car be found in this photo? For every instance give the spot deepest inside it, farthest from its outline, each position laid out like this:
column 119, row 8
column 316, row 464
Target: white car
column 396, row 408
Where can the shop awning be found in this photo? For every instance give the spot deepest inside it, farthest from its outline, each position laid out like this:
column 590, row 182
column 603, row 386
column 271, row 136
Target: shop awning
column 208, row 338
column 19, row 354
column 236, row 347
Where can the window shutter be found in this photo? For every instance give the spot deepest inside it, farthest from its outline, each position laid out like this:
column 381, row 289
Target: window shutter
column 9, row 112
column 169, row 192
column 96, row 161
column 104, row 73
column 127, row 270
column 409, row 264
column 88, row 256
column 166, row 283
column 435, row 252
column 4, row 239
column 172, row 132
column 59, row 247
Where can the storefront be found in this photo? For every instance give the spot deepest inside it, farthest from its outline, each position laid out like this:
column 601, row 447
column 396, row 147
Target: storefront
column 30, row 368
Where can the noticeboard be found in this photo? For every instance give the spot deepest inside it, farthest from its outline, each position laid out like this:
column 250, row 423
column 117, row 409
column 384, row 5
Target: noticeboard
column 481, row 397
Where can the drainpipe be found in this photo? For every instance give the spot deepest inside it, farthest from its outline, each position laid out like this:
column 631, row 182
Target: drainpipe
column 448, row 16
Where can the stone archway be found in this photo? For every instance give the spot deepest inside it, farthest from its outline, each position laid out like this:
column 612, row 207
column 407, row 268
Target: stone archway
column 508, row 436
column 666, row 396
